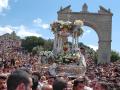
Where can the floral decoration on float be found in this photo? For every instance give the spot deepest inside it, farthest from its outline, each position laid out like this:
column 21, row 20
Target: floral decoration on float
column 66, row 26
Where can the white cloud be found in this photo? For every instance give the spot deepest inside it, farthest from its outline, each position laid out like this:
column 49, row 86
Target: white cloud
column 4, row 4
column 24, row 31
column 86, row 32
column 40, row 23
column 38, row 20
column 94, row 47
column 4, row 30
column 45, row 26
column 21, row 31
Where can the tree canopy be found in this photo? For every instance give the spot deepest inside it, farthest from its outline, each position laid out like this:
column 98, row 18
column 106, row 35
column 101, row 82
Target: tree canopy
column 115, row 56
column 31, row 41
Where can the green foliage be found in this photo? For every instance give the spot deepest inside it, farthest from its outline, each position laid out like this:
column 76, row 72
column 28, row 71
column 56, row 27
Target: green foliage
column 87, row 48
column 34, row 44
column 81, row 31
column 31, row 41
column 93, row 54
column 48, row 45
column 37, row 50
column 115, row 56
column 95, row 57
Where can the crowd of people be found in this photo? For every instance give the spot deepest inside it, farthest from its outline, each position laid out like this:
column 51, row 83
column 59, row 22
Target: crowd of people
column 23, row 71
column 19, row 71
column 108, row 74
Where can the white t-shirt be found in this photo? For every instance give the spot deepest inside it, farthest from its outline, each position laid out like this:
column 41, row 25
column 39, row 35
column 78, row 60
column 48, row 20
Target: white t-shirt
column 87, row 88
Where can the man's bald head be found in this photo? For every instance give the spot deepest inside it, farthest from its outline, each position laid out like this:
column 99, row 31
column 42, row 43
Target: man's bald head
column 47, row 87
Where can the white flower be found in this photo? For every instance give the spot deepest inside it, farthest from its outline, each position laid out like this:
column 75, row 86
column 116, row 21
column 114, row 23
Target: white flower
column 68, row 22
column 61, row 22
column 78, row 22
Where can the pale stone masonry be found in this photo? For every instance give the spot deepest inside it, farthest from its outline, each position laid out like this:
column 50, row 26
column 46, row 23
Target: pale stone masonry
column 101, row 22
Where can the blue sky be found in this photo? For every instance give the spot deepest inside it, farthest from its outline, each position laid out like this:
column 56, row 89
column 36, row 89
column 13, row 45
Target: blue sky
column 32, row 17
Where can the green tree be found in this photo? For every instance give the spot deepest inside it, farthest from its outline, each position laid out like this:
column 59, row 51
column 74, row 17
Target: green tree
column 31, row 41
column 95, row 57
column 37, row 50
column 114, row 56
column 48, row 45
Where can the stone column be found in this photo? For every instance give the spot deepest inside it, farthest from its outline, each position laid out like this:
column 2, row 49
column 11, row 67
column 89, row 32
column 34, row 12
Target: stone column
column 76, row 44
column 72, row 41
column 77, row 41
column 58, row 41
column 55, row 43
column 60, row 46
column 104, row 52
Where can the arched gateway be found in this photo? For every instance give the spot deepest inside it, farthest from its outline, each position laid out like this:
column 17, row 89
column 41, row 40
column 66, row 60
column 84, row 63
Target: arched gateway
column 101, row 22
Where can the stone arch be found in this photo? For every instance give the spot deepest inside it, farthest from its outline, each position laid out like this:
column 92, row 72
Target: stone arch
column 101, row 22
column 91, row 25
